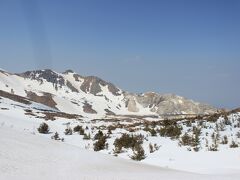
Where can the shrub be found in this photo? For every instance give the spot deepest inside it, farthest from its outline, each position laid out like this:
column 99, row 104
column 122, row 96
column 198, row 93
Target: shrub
column 238, row 125
column 87, row 136
column 151, row 150
column 43, row 128
column 77, row 128
column 81, row 131
column 238, row 135
column 222, row 126
column 153, row 132
column 111, row 128
column 100, row 144
column 167, row 122
column 195, row 138
column 139, row 153
column 206, row 143
column 173, row 131
column 196, row 130
column 99, row 135
column 233, row 145
column 225, row 140
column 186, row 140
column 156, row 147
column 188, row 123
column 227, row 121
column 109, row 131
column 55, row 136
column 213, row 117
column 127, row 141
column 68, row 131
column 213, row 147
column 146, row 128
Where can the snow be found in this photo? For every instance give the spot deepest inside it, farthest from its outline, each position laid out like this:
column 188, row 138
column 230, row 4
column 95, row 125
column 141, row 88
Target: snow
column 205, row 162
column 25, row 156
column 66, row 106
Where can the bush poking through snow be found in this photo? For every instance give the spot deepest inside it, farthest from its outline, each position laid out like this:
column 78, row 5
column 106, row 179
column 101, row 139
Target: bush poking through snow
column 233, row 144
column 196, row 139
column 86, row 136
column 173, row 131
column 238, row 135
column 156, row 147
column 81, row 131
column 227, row 121
column 99, row 135
column 139, row 153
column 109, row 131
column 186, row 140
column 55, row 136
column 100, row 144
column 43, row 128
column 127, row 141
column 68, row 131
column 153, row 132
column 224, row 140
column 151, row 150
column 193, row 141
column 213, row 147
column 77, row 128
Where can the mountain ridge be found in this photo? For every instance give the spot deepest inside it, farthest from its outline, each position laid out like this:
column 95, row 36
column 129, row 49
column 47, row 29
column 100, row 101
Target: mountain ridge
column 89, row 95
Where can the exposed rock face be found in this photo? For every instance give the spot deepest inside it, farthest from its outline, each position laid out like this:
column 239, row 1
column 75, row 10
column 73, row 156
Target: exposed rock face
column 108, row 112
column 131, row 104
column 87, row 108
column 77, row 77
column 113, row 89
column 47, row 74
column 92, row 84
column 14, row 97
column 149, row 99
column 167, row 104
column 46, row 99
column 70, row 86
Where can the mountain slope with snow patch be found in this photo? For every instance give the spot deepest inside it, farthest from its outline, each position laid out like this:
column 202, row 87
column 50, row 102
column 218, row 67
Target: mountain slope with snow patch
column 92, row 97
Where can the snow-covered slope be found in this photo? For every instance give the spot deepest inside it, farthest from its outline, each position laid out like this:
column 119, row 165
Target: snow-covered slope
column 93, row 97
column 18, row 128
column 195, row 140
column 25, row 156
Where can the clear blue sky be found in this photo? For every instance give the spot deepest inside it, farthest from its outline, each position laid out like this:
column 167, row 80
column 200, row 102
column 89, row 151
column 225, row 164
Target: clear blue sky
column 190, row 48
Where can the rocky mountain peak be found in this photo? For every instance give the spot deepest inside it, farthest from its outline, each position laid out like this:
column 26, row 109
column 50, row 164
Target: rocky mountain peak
column 73, row 93
column 46, row 74
column 92, row 84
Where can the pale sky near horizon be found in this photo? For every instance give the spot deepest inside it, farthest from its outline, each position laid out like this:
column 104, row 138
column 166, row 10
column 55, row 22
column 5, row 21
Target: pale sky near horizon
column 186, row 47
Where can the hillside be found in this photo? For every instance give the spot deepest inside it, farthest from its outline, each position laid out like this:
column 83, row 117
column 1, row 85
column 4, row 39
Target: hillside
column 210, row 143
column 93, row 97
column 60, row 119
